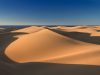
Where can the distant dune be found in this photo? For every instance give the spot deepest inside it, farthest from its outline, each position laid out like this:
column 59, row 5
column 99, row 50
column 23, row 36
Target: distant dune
column 46, row 50
column 29, row 29
column 84, row 29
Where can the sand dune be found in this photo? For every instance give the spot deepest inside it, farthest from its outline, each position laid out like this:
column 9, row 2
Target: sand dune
column 55, row 47
column 31, row 29
column 28, row 30
column 33, row 43
column 51, row 50
column 84, row 29
column 95, row 34
column 96, row 27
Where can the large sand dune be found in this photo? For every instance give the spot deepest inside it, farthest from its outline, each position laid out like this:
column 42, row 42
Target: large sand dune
column 47, row 45
column 53, row 51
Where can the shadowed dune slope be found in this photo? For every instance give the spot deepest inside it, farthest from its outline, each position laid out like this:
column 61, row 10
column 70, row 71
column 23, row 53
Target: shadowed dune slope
column 56, row 69
column 5, row 40
column 49, row 46
column 38, row 68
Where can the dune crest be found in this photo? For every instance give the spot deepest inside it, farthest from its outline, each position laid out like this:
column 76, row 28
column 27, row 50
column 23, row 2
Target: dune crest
column 83, row 29
column 31, row 29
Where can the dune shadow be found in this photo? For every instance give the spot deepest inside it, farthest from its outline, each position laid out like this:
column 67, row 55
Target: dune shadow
column 85, row 37
column 6, row 39
column 39, row 68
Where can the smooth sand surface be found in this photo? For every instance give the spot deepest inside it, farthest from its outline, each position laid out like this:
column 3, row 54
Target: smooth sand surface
column 30, row 29
column 51, row 51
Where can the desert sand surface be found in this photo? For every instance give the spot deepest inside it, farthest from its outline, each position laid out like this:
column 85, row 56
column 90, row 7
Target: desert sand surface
column 55, row 50
column 29, row 29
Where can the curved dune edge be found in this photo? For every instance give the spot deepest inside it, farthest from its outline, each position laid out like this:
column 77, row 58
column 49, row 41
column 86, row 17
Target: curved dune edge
column 30, row 29
column 48, row 46
column 34, row 42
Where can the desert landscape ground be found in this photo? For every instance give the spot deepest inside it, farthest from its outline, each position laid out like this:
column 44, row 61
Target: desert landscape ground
column 50, row 50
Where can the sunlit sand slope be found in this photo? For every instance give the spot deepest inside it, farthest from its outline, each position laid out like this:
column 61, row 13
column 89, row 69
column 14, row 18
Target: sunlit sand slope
column 31, row 29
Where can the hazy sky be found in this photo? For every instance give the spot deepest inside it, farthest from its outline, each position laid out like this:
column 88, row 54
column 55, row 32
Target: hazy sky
column 42, row 12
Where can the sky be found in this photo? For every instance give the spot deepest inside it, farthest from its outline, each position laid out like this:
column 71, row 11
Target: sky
column 49, row 12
